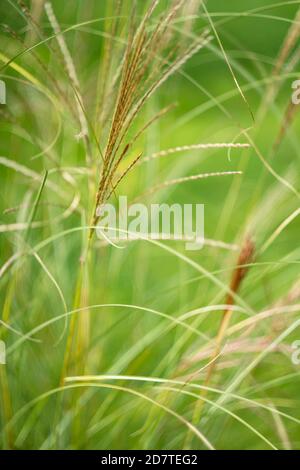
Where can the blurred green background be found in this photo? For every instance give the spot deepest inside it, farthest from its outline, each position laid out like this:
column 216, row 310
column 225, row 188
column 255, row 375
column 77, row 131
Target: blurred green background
column 38, row 133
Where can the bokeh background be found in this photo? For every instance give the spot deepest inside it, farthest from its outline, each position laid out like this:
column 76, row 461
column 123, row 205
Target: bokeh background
column 145, row 288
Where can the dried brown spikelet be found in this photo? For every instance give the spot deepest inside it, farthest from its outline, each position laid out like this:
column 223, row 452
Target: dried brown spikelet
column 144, row 69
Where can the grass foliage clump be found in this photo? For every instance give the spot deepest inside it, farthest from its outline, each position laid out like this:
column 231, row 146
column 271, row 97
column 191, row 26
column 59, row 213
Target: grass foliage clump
column 142, row 344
